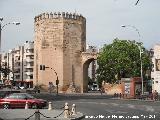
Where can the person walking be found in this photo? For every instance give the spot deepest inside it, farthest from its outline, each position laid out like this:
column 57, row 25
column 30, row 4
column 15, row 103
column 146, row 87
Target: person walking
column 156, row 95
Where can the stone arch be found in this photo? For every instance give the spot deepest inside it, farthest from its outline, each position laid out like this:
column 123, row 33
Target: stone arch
column 87, row 59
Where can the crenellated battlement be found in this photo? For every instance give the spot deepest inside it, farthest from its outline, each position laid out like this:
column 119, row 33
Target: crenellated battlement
column 57, row 15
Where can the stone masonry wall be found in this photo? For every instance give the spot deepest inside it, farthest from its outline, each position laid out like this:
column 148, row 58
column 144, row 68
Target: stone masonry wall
column 60, row 38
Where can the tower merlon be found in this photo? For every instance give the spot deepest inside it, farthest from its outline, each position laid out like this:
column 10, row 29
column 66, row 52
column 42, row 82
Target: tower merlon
column 58, row 15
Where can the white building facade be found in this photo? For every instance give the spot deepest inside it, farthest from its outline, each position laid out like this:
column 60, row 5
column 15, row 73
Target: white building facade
column 155, row 73
column 20, row 61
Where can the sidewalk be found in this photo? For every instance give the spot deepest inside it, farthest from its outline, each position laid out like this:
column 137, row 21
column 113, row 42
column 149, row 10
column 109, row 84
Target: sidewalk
column 135, row 99
column 28, row 114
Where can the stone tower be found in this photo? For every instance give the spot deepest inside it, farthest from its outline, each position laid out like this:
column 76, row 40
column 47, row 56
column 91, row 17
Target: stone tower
column 60, row 40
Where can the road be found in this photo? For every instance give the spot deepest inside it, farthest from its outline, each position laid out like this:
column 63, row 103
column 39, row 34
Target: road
column 96, row 106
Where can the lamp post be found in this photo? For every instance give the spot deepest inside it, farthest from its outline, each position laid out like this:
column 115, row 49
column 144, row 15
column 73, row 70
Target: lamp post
column 1, row 28
column 140, row 51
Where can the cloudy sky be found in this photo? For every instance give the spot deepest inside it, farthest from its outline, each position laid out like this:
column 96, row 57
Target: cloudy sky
column 104, row 19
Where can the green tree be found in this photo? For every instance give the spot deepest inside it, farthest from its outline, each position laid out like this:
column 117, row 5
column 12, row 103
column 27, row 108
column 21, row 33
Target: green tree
column 121, row 59
column 5, row 70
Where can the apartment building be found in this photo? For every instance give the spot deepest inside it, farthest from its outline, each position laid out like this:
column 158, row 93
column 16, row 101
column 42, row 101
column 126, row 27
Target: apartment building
column 155, row 73
column 28, row 63
column 20, row 61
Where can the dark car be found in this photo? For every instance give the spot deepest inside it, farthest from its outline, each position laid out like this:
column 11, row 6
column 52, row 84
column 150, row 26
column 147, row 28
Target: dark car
column 18, row 100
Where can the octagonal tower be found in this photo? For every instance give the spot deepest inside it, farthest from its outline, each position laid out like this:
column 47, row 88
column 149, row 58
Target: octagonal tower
column 60, row 38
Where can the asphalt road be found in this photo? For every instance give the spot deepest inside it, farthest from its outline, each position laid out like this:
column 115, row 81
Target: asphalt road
column 96, row 106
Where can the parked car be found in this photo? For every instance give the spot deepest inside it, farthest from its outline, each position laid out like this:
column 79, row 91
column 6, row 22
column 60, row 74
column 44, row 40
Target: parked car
column 18, row 100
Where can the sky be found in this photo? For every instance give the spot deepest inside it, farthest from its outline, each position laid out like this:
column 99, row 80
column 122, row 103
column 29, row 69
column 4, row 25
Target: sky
column 104, row 19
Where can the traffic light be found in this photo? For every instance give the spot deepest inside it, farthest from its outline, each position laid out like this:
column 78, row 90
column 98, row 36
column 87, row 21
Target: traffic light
column 42, row 67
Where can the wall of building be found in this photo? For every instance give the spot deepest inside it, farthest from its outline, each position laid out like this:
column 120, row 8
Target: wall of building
column 60, row 38
column 20, row 61
column 155, row 74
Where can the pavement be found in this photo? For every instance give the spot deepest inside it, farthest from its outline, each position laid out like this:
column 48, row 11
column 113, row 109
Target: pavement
column 29, row 114
column 147, row 100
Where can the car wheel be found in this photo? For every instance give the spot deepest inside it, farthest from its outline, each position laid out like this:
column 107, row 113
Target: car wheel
column 34, row 106
column 5, row 106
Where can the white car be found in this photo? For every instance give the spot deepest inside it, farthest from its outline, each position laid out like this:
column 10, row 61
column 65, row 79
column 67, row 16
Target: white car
column 21, row 87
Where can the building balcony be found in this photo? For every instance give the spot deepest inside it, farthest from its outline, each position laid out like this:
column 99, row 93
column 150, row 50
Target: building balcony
column 17, row 73
column 29, row 73
column 17, row 61
column 29, row 53
column 16, row 54
column 29, row 60
column 28, row 80
column 29, row 66
column 17, row 66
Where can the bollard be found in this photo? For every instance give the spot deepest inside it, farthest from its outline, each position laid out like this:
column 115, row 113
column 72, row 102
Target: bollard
column 50, row 106
column 66, row 110
column 73, row 109
column 37, row 115
column 26, row 105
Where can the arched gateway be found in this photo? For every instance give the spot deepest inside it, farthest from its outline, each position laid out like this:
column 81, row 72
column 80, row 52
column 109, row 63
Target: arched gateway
column 87, row 58
column 60, row 45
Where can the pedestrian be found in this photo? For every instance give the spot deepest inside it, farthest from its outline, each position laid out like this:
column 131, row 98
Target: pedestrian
column 120, row 95
column 138, row 93
column 101, row 90
column 156, row 95
column 151, row 95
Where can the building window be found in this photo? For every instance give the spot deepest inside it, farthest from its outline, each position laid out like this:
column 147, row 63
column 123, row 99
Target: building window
column 17, row 76
column 156, row 81
column 31, row 77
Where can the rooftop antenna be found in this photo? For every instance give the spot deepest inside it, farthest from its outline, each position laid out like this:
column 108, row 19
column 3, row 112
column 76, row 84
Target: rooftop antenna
column 137, row 2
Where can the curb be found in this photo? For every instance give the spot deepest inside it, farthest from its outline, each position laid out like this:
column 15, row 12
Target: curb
column 134, row 99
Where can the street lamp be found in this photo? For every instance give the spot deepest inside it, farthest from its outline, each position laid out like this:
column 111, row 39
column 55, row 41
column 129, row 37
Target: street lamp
column 140, row 51
column 1, row 28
